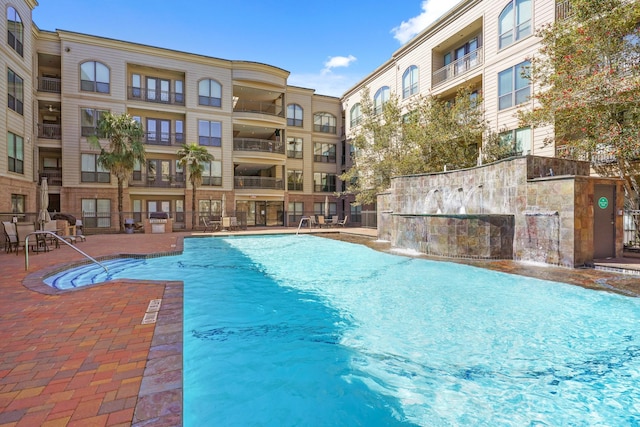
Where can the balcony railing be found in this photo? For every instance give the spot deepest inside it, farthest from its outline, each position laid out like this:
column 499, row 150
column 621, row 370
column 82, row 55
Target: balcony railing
column 262, row 107
column 54, row 176
column 157, row 181
column 601, row 157
column 164, row 138
column 254, row 144
column 460, row 66
column 244, row 182
column 154, row 95
column 563, row 10
column 49, row 84
column 49, row 131
column 212, row 181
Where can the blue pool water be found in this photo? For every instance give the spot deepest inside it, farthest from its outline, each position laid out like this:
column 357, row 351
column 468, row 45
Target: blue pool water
column 301, row 330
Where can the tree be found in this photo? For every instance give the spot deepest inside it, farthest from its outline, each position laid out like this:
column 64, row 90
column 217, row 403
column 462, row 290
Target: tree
column 193, row 157
column 587, row 79
column 124, row 151
column 429, row 134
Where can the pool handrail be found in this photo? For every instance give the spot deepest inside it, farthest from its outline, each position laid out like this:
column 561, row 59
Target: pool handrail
column 51, row 233
column 304, row 218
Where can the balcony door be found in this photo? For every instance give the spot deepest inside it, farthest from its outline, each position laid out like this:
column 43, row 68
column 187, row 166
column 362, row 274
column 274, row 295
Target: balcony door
column 159, row 172
column 158, row 90
column 159, row 131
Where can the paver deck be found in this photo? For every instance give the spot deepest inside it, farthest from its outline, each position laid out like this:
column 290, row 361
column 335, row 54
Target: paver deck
column 84, row 358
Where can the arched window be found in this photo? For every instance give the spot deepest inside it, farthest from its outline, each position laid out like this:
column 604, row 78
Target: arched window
column 410, row 82
column 294, row 115
column 94, row 77
column 324, row 122
column 514, row 22
column 356, row 115
column 381, row 96
column 209, row 93
column 15, row 30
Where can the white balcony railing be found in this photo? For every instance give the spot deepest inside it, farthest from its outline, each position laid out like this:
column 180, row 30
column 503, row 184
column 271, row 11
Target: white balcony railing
column 458, row 67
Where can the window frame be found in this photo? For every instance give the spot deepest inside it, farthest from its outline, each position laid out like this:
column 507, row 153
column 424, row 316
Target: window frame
column 322, row 182
column 514, row 92
column 206, row 97
column 355, row 115
column 95, row 85
column 96, row 173
column 210, row 140
column 212, row 175
column 295, row 115
column 18, row 203
column 296, row 142
column 15, row 153
column 380, row 98
column 96, row 220
column 96, row 116
column 326, row 152
column 324, row 122
column 295, row 180
column 514, row 138
column 15, row 92
column 15, row 38
column 517, row 29
column 410, row 81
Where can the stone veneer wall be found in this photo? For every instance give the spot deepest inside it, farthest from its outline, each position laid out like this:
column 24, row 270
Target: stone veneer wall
column 549, row 201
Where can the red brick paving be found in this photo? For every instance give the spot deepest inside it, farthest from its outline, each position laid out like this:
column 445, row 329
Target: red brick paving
column 82, row 357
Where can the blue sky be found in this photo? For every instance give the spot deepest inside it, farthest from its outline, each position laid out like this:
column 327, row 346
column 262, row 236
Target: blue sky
column 328, row 45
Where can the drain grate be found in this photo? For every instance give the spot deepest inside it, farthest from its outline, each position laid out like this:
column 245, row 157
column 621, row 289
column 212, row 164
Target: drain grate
column 151, row 316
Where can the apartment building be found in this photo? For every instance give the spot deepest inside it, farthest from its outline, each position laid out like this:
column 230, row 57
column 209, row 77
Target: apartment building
column 479, row 43
column 278, row 149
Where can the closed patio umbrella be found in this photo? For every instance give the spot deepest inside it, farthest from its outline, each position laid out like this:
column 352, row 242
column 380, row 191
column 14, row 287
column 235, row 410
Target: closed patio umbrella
column 224, row 204
column 326, row 206
column 43, row 214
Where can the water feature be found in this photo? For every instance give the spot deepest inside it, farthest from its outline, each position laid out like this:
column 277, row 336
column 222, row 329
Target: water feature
column 300, row 330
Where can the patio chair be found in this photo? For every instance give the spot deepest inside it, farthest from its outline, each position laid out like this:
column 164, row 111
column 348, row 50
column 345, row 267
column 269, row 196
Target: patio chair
column 334, row 221
column 11, row 237
column 51, row 226
column 233, row 223
column 80, row 237
column 23, row 229
column 208, row 225
column 321, row 221
column 312, row 221
column 343, row 222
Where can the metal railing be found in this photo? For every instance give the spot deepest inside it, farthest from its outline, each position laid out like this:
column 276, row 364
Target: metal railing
column 54, row 177
column 157, row 181
column 164, row 138
column 245, row 182
column 631, row 221
column 49, row 84
column 61, row 239
column 155, row 96
column 460, row 66
column 49, row 131
column 563, row 10
column 255, row 144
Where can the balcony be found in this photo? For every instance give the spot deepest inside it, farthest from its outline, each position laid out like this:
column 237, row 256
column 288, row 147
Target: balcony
column 49, row 84
column 164, row 138
column 254, row 144
column 54, row 176
column 155, row 96
column 49, row 131
column 458, row 67
column 563, row 10
column 157, row 181
column 257, row 182
column 261, row 107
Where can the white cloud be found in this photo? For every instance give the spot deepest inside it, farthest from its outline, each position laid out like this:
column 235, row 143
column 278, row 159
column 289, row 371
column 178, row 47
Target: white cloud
column 338, row 61
column 431, row 10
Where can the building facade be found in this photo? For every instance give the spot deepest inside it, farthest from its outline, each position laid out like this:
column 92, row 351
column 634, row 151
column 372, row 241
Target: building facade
column 278, row 149
column 479, row 43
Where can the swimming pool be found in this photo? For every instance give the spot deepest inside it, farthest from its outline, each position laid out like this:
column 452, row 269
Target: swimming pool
column 301, row 330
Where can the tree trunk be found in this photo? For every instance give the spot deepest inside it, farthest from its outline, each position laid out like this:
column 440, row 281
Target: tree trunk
column 120, row 195
column 193, row 207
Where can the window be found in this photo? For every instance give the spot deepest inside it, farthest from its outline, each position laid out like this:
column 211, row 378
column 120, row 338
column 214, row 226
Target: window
column 15, row 153
column 94, row 77
column 294, row 115
column 410, row 82
column 209, row 133
column 324, row 152
column 89, row 119
column 325, row 182
column 212, row 173
column 294, row 180
column 159, row 131
column 18, row 202
column 96, row 213
column 91, row 171
column 15, row 30
column 514, row 22
column 179, row 86
column 209, row 93
column 324, row 122
column 209, row 208
column 513, row 87
column 356, row 212
column 379, row 99
column 179, row 131
column 136, row 86
column 519, row 140
column 15, row 92
column 158, row 90
column 319, row 209
column 356, row 115
column 296, row 212
column 294, row 148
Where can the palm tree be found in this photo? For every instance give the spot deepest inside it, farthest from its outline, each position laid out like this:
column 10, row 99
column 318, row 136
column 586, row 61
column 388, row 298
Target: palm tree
column 193, row 157
column 125, row 149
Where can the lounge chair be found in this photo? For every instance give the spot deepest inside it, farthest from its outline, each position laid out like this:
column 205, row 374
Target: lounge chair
column 343, row 222
column 80, row 231
column 51, row 226
column 11, row 237
column 24, row 229
column 208, row 225
column 334, row 221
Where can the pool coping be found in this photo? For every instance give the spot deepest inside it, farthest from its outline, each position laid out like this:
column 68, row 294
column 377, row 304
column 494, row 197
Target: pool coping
column 160, row 397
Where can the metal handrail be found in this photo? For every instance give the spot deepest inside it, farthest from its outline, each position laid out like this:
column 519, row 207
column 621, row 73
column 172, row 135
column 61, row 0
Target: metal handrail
column 51, row 233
